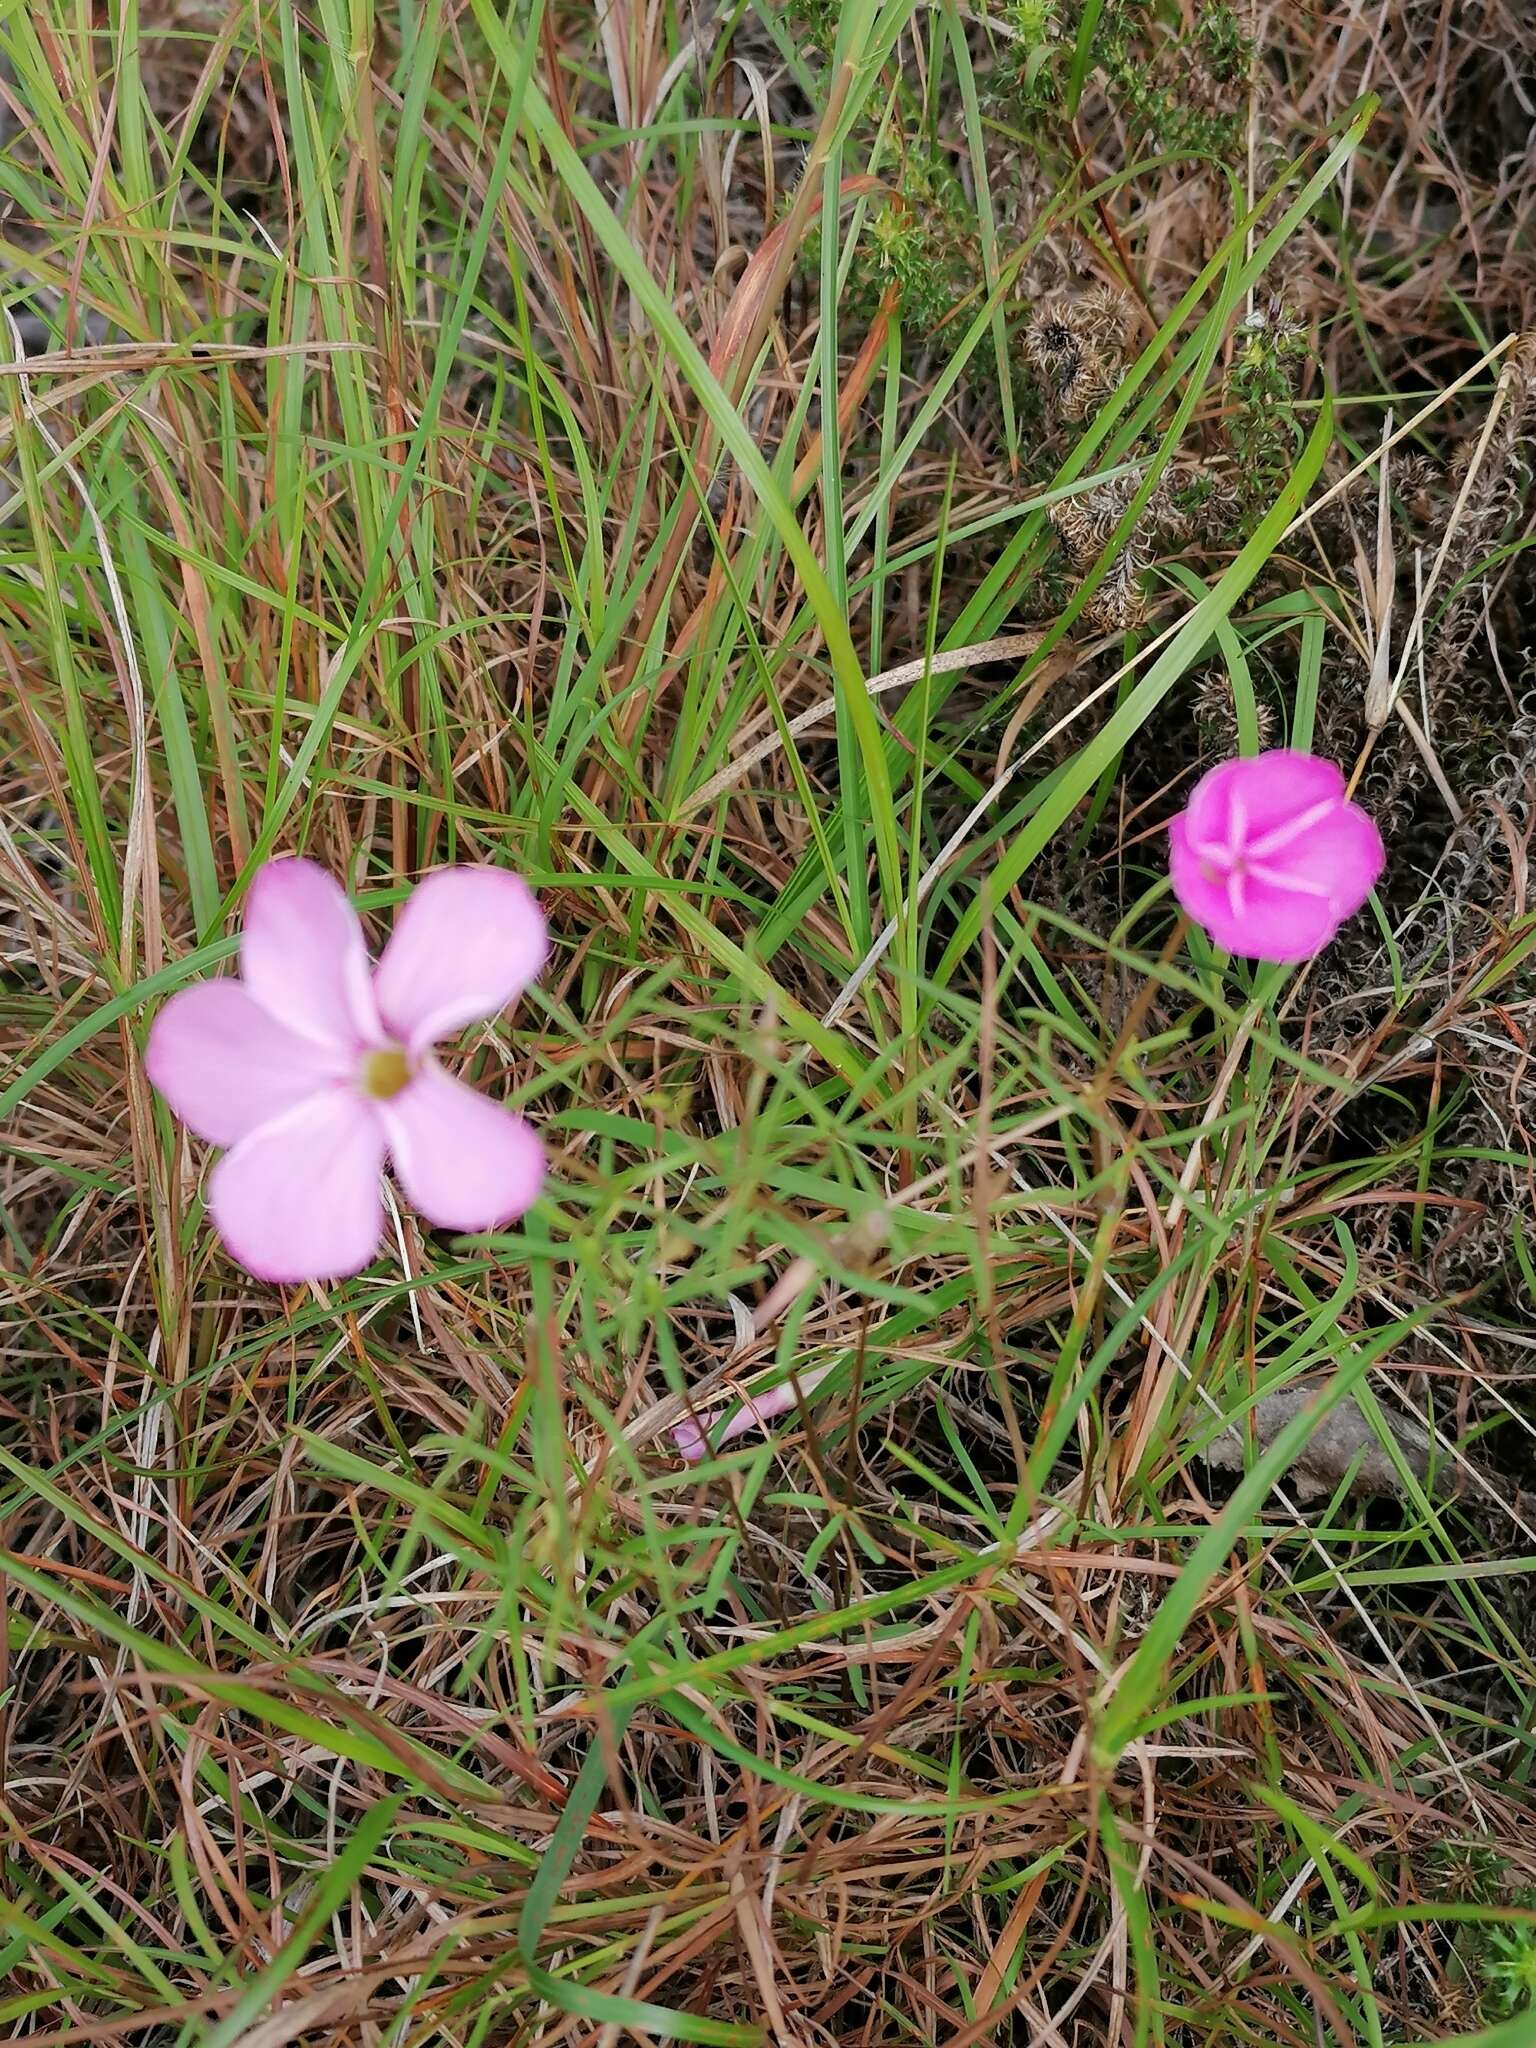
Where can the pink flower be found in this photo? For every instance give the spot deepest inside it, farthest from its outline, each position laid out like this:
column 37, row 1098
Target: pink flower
column 1271, row 856
column 312, row 1069
column 691, row 1436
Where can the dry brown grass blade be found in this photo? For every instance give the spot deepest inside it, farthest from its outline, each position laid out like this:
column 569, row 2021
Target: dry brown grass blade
column 948, row 661
column 1378, row 587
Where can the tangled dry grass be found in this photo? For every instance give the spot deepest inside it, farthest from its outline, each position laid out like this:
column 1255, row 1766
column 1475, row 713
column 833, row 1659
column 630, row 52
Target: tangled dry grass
column 808, row 486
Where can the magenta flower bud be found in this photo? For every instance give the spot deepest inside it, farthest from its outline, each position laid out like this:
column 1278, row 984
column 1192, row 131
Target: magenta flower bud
column 1271, row 856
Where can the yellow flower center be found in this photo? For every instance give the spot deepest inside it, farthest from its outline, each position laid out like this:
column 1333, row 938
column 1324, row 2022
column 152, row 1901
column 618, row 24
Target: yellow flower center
column 385, row 1073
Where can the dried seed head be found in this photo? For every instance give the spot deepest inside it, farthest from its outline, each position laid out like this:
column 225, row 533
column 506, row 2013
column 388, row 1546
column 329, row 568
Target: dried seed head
column 1216, row 715
column 1078, row 343
column 1119, row 603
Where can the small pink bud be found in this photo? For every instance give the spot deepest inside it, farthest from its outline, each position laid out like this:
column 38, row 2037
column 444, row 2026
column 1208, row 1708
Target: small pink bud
column 692, row 1437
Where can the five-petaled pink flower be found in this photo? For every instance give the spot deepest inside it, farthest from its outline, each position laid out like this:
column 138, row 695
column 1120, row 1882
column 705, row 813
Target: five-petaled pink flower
column 313, row 1070
column 1271, row 856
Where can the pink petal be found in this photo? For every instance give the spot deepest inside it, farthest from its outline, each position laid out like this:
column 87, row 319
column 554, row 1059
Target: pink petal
column 303, row 957
column 1343, row 855
column 466, row 1163
column 298, row 1199
column 225, row 1065
column 1271, row 789
column 1199, row 884
column 465, row 943
column 1273, row 923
